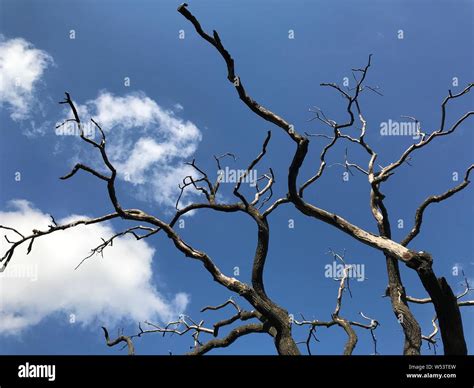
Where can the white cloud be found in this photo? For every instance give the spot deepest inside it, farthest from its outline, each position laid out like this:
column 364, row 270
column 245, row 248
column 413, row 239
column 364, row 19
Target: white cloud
column 178, row 107
column 165, row 182
column 105, row 290
column 148, row 144
column 21, row 67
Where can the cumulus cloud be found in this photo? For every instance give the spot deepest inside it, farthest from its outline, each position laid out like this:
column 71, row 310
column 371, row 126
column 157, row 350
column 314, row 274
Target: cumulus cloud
column 107, row 290
column 21, row 68
column 147, row 143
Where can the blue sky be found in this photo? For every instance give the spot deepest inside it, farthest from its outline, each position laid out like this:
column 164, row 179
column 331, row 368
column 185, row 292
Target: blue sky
column 185, row 79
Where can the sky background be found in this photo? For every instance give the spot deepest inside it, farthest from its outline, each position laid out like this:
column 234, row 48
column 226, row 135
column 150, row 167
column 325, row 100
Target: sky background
column 179, row 86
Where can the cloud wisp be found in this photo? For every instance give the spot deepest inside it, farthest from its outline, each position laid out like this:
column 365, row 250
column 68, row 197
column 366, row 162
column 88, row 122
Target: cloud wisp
column 22, row 67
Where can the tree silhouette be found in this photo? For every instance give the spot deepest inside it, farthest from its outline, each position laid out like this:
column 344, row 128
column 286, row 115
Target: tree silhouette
column 266, row 315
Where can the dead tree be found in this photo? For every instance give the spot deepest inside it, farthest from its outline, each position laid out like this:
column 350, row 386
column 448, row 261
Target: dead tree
column 269, row 317
column 443, row 299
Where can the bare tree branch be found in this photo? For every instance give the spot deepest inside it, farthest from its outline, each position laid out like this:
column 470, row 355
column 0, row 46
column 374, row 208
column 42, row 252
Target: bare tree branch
column 235, row 80
column 109, row 242
column 230, row 338
column 425, row 140
column 337, row 319
column 80, row 166
column 434, row 199
column 250, row 167
column 38, row 233
column 120, row 338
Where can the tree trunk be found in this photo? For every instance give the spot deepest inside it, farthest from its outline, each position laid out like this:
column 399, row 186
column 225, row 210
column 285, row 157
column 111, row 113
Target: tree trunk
column 447, row 310
column 396, row 291
column 410, row 325
column 285, row 344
